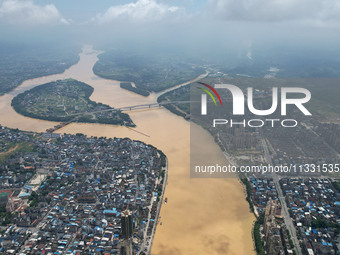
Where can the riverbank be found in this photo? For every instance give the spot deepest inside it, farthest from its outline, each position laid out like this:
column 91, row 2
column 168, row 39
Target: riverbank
column 202, row 216
column 158, row 222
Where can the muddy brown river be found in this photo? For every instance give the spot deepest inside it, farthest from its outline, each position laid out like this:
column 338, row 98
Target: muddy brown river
column 202, row 216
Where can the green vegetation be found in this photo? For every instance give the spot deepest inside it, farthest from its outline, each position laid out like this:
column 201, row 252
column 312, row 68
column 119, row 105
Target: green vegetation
column 5, row 145
column 4, row 195
column 128, row 86
column 257, row 235
column 67, row 100
column 2, row 211
column 246, row 182
column 55, row 100
column 147, row 71
column 290, row 239
column 34, row 198
column 16, row 192
column 179, row 94
column 323, row 223
column 336, row 185
column 6, row 216
column 259, row 245
column 18, row 148
column 19, row 62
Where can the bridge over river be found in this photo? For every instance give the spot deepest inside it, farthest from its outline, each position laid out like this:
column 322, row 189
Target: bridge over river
column 124, row 108
column 136, row 107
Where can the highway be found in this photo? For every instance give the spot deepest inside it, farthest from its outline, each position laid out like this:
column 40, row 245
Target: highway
column 288, row 220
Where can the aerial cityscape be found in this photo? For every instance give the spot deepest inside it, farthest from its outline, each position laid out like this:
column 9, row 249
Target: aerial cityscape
column 169, row 127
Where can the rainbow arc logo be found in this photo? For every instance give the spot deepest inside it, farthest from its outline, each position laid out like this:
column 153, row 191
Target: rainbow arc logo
column 204, row 97
column 209, row 93
column 239, row 99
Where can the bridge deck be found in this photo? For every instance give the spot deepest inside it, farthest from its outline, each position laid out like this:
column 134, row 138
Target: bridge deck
column 135, row 107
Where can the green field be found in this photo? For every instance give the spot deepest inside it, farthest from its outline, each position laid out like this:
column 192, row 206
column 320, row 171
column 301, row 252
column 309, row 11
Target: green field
column 5, row 145
column 19, row 147
column 149, row 73
column 19, row 62
column 4, row 194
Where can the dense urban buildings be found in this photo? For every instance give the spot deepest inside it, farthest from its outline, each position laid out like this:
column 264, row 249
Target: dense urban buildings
column 72, row 194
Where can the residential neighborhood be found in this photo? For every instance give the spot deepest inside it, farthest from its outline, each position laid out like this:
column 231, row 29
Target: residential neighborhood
column 67, row 194
column 313, row 205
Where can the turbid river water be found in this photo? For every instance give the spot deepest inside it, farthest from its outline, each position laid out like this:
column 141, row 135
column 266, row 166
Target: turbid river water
column 202, row 216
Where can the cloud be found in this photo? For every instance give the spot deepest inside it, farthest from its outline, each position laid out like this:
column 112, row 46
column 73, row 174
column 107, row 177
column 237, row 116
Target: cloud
column 27, row 12
column 140, row 11
column 317, row 11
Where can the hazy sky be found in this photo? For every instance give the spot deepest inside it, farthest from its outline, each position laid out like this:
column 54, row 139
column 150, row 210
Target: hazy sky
column 312, row 12
column 187, row 23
